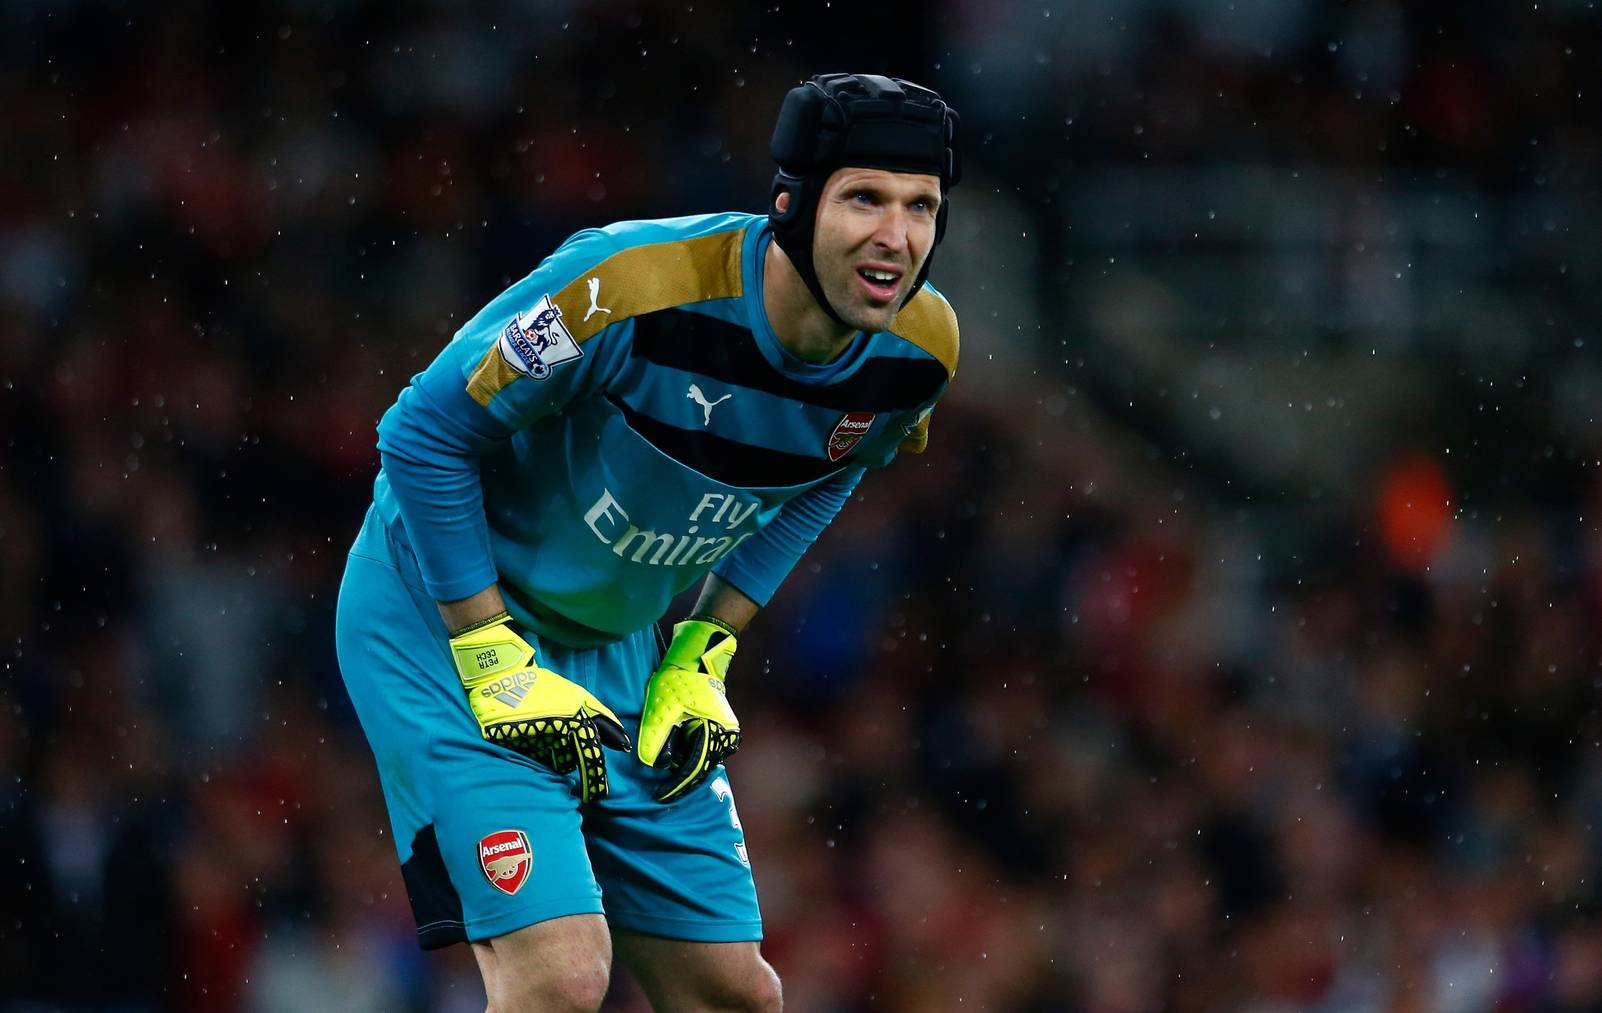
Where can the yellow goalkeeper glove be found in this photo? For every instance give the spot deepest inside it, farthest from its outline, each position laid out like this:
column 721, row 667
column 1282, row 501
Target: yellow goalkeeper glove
column 532, row 710
column 687, row 725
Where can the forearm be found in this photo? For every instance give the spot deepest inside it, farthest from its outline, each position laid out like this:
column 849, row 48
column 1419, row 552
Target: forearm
column 725, row 603
column 761, row 563
column 464, row 612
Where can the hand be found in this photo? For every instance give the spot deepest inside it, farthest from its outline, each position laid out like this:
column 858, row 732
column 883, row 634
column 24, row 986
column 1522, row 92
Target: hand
column 532, row 710
column 687, row 725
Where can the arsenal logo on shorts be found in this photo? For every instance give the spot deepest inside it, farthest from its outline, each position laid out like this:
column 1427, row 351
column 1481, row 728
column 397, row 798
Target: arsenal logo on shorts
column 848, row 432
column 505, row 858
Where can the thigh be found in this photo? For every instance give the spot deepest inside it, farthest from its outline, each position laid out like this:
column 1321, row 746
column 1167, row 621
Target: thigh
column 679, row 871
column 488, row 841
column 679, row 974
column 561, row 962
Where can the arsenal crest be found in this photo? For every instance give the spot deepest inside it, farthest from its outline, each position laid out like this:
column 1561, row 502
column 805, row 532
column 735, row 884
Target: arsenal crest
column 505, row 858
column 848, row 432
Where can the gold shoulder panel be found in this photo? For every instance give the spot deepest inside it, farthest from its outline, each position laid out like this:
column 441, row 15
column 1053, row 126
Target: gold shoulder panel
column 929, row 322
column 491, row 374
column 644, row 279
column 917, row 440
column 631, row 283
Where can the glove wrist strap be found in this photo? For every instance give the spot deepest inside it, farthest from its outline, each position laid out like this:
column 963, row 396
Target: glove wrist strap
column 495, row 620
column 489, row 648
column 702, row 617
column 702, row 644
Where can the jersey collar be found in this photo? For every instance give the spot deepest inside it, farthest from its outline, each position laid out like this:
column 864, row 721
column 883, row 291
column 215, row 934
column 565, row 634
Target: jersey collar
column 754, row 256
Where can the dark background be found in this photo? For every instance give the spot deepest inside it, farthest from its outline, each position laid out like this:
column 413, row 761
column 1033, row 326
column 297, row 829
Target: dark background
column 1234, row 646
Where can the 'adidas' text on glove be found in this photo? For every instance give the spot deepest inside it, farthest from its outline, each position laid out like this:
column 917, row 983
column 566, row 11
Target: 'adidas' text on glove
column 532, row 710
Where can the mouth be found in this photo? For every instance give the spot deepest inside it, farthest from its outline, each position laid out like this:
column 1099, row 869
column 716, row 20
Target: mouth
column 882, row 283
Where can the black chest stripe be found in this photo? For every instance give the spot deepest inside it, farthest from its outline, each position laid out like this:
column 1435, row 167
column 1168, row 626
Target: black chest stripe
column 728, row 461
column 727, row 352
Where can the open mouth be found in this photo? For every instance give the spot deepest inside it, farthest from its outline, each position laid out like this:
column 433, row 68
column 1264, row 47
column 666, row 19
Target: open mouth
column 882, row 283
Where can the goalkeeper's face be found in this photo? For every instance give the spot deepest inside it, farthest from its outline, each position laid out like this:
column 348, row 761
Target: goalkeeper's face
column 874, row 231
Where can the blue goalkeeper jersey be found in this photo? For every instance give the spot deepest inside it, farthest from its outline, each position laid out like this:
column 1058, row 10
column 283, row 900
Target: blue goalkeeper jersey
column 624, row 419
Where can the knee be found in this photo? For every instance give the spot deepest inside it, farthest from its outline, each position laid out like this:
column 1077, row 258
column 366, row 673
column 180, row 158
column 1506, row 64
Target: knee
column 575, row 988
column 768, row 996
column 759, row 991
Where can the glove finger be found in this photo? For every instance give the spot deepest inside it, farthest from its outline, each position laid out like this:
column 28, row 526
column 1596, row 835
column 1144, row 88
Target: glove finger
column 675, row 746
column 692, row 762
column 654, row 734
column 610, row 731
column 556, row 741
column 725, row 743
column 543, row 740
column 593, row 705
column 586, row 746
column 683, row 746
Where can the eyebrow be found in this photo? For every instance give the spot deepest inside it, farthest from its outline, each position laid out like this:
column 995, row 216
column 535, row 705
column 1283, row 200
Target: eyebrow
column 930, row 197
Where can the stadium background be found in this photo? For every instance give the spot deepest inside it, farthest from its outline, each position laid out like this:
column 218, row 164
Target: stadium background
column 1235, row 645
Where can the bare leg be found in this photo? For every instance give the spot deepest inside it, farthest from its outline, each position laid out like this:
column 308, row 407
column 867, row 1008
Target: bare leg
column 562, row 965
column 484, row 953
column 686, row 977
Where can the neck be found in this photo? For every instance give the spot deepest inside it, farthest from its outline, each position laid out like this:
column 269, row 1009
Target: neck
column 803, row 327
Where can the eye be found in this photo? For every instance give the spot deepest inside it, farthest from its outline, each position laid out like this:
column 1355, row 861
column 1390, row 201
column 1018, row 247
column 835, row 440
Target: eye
column 864, row 198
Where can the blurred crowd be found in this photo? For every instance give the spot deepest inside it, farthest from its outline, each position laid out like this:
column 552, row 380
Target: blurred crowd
column 1069, row 713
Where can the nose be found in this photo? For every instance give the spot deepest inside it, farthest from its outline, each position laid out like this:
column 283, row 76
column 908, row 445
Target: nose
column 892, row 231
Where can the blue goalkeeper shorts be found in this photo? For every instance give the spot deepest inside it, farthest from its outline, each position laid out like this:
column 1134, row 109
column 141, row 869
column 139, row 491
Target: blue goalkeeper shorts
column 489, row 841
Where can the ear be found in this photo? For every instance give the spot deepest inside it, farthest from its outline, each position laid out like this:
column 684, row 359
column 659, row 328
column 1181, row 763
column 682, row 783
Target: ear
column 781, row 203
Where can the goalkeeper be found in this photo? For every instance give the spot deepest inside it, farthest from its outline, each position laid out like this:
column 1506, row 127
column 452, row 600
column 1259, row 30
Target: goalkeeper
column 658, row 402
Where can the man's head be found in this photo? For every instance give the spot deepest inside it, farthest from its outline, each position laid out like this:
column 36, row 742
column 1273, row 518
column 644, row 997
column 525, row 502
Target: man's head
column 865, row 163
column 873, row 235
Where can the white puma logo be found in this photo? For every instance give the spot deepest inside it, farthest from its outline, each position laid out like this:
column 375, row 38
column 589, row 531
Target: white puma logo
column 706, row 406
column 595, row 290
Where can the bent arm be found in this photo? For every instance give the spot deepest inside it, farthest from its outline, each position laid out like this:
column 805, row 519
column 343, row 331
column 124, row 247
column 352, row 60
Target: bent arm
column 755, row 570
column 725, row 603
column 430, row 453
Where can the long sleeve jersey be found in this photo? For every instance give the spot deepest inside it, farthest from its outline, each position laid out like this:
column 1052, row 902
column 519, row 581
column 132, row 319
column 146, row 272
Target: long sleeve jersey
column 624, row 419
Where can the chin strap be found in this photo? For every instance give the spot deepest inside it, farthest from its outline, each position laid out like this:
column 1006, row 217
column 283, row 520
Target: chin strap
column 793, row 231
